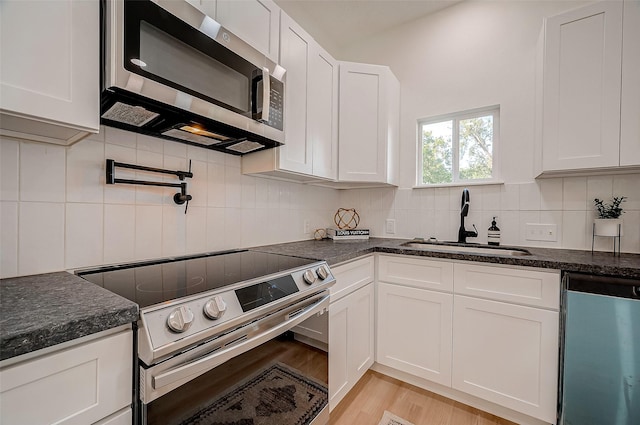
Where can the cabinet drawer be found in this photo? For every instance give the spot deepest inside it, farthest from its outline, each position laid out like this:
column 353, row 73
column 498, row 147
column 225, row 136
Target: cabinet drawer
column 527, row 287
column 78, row 385
column 351, row 276
column 416, row 272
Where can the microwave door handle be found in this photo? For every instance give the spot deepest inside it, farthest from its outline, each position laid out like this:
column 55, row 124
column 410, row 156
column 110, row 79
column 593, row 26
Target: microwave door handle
column 266, row 94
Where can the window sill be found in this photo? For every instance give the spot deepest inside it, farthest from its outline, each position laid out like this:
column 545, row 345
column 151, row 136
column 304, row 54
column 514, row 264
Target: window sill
column 460, row 184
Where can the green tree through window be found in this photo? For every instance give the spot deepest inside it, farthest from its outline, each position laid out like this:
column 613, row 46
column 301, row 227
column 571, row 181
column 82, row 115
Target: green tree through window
column 458, row 147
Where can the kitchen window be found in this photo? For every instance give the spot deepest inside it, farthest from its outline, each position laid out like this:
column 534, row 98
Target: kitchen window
column 459, row 148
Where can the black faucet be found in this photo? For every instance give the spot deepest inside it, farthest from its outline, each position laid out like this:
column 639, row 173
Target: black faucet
column 463, row 233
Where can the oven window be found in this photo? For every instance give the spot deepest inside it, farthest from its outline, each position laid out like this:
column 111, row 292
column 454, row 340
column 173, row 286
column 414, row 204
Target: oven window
column 263, row 293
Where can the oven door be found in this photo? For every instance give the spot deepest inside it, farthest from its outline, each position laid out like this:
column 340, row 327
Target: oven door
column 262, row 373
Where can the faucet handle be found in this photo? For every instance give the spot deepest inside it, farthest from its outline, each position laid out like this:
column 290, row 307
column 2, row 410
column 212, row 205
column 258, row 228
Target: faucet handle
column 475, row 233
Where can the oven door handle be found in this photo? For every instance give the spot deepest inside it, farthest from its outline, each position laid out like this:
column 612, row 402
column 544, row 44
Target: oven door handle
column 206, row 363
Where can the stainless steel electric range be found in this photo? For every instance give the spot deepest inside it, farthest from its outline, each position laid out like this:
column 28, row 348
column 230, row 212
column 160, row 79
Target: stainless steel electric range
column 227, row 337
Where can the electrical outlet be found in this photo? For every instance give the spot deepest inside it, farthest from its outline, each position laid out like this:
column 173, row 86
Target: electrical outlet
column 390, row 226
column 307, row 227
column 541, row 232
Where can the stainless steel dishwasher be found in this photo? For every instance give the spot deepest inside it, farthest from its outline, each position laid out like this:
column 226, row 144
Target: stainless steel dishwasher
column 600, row 379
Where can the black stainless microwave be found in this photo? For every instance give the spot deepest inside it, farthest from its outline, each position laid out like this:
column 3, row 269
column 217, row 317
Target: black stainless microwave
column 173, row 72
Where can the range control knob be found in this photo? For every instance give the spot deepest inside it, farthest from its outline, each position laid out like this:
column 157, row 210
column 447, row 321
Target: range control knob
column 309, row 276
column 322, row 272
column 180, row 319
column 215, row 308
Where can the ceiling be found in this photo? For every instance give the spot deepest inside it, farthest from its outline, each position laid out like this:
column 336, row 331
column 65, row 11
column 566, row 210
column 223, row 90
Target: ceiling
column 338, row 23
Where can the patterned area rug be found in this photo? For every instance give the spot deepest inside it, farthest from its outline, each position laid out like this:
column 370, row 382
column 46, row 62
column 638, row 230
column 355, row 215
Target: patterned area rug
column 390, row 419
column 277, row 395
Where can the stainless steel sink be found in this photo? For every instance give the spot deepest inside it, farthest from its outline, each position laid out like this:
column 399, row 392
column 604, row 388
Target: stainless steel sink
column 466, row 249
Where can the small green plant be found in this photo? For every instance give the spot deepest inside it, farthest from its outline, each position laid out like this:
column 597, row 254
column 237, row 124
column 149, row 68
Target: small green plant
column 609, row 210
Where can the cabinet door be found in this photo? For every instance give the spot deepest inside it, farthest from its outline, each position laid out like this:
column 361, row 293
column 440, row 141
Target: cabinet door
column 79, row 385
column 296, row 153
column 362, row 124
column 50, row 67
column 630, row 108
column 582, row 80
column 322, row 123
column 507, row 354
column 254, row 21
column 414, row 331
column 351, row 347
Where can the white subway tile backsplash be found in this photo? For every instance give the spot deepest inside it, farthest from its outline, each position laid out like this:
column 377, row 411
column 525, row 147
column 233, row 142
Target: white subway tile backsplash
column 119, row 233
column 115, row 136
column 551, row 194
column 232, row 227
column 86, row 172
column 215, row 229
column 510, row 197
column 175, row 149
column 600, row 187
column 120, row 193
column 174, row 230
column 83, row 235
column 529, row 197
column 575, row 230
column 40, row 237
column 574, row 194
column 197, row 186
column 628, row 185
column 148, row 231
column 8, row 239
column 42, row 172
column 151, row 195
column 149, row 144
column 232, row 187
column 9, row 169
column 196, row 230
column 102, row 224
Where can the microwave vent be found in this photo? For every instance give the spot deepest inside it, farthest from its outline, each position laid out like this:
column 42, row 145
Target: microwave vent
column 245, row 146
column 129, row 114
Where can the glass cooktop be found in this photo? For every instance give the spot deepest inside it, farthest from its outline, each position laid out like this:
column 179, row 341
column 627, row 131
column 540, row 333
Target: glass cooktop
column 158, row 281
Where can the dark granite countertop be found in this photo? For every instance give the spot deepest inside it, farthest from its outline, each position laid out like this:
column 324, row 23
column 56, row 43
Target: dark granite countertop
column 40, row 311
column 599, row 263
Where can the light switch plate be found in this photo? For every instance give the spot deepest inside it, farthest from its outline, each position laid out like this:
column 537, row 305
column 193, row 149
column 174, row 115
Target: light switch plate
column 390, row 228
column 541, row 232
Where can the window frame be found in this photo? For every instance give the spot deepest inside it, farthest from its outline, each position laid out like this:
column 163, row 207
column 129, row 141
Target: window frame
column 494, row 111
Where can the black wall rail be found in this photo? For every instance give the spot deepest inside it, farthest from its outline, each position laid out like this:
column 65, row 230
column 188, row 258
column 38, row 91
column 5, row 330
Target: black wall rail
column 179, row 198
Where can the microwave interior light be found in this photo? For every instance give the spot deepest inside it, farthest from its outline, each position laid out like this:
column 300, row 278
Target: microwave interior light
column 202, row 132
column 138, row 62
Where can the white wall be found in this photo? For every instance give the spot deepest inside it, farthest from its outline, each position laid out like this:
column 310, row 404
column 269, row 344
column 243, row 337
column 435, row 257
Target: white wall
column 470, row 55
column 57, row 212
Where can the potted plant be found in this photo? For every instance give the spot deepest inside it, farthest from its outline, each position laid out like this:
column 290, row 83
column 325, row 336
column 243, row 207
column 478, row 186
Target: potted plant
column 608, row 222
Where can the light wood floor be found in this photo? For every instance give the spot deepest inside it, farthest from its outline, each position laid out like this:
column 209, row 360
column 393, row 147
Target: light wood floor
column 375, row 393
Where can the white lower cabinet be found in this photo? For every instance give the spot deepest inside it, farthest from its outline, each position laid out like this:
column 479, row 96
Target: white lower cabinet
column 414, row 331
column 84, row 384
column 486, row 331
column 351, row 327
column 507, row 354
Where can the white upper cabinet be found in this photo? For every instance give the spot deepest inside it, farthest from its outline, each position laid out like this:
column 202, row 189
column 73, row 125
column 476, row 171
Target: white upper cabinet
column 254, row 21
column 368, row 124
column 309, row 152
column 584, row 83
column 50, row 69
column 630, row 109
